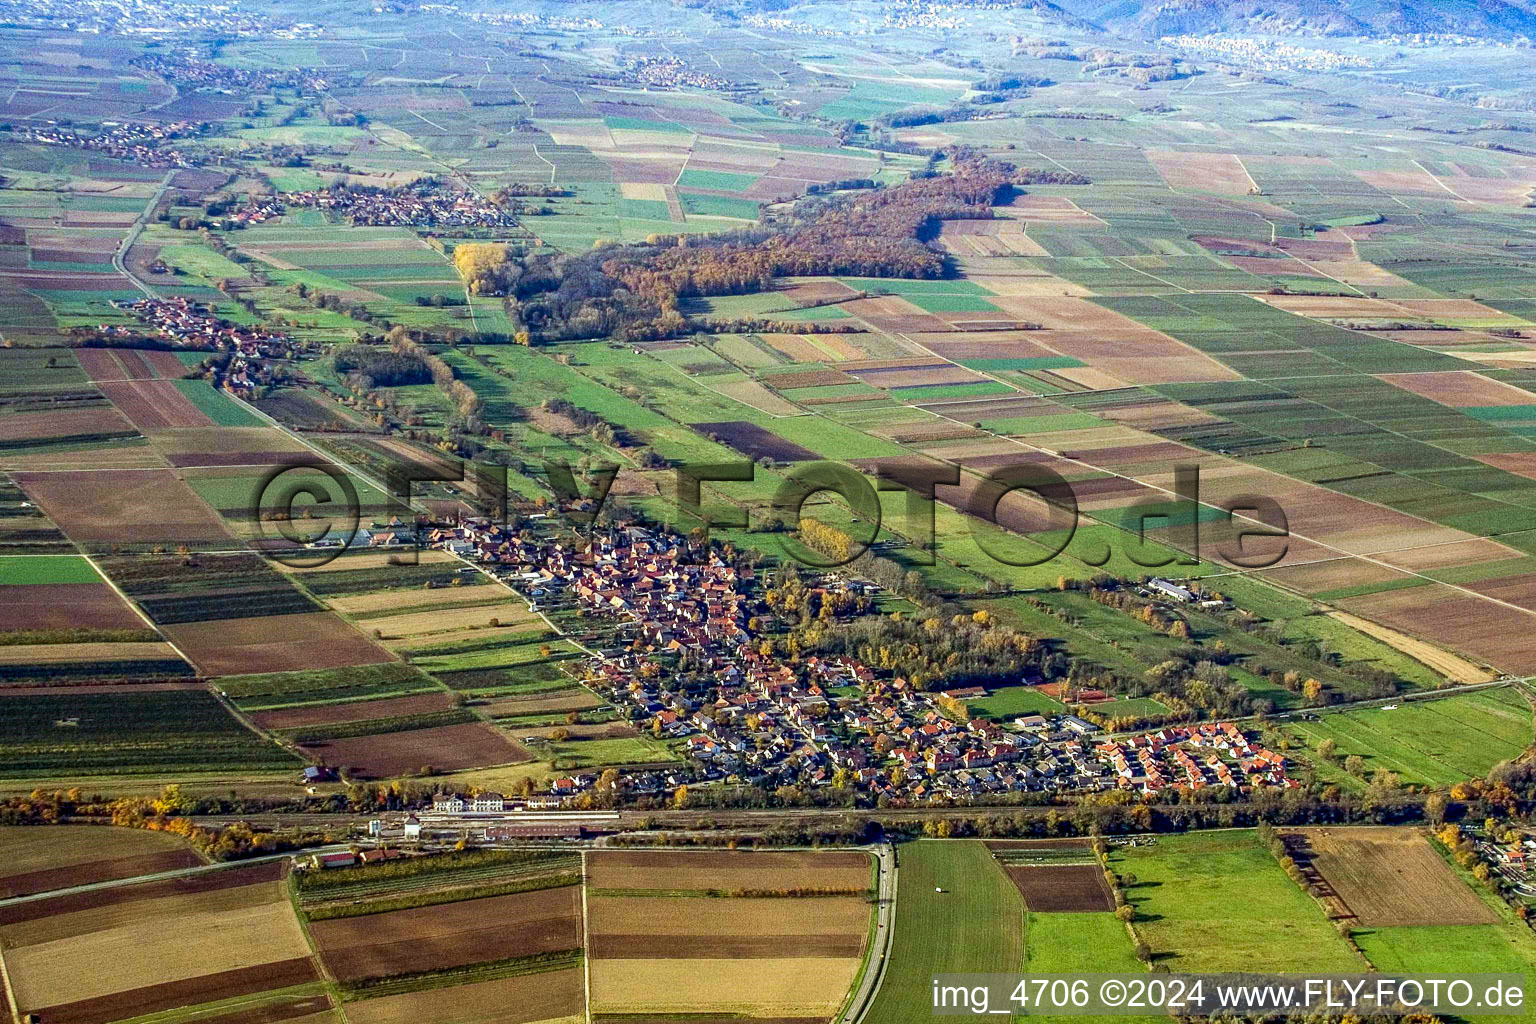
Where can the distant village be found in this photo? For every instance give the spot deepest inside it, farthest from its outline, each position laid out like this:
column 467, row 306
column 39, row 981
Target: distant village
column 142, row 143
column 205, row 74
column 423, row 203
column 742, row 715
column 189, row 325
column 674, row 73
column 151, row 18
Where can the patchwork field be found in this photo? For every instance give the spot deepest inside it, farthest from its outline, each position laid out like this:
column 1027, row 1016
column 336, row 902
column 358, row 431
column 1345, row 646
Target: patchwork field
column 725, row 934
column 1055, row 877
column 156, row 947
column 43, row 859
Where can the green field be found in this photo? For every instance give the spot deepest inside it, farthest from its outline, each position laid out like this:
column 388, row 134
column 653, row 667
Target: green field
column 723, row 181
column 1012, row 701
column 1191, row 890
column 23, row 569
column 976, row 925
column 161, row 733
column 216, row 405
column 1432, row 742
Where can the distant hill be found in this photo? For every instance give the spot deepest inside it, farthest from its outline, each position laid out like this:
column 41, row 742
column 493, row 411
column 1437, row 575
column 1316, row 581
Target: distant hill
column 1496, row 19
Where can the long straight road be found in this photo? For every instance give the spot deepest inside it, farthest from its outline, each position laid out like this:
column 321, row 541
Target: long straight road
column 119, row 258
column 880, row 945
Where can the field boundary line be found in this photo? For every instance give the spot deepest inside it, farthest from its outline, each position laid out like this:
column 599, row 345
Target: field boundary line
column 10, row 992
column 586, row 945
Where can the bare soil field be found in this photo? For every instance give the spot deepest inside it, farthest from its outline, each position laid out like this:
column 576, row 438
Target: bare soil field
column 1438, row 556
column 154, row 403
column 1405, row 183
column 1499, row 191
column 721, row 917
column 806, row 379
column 225, row 443
column 444, row 620
column 761, row 944
column 65, row 606
column 1478, row 628
column 794, row 347
column 36, row 426
column 1519, row 589
column 419, row 600
column 445, row 748
column 1204, row 172
column 36, row 859
column 752, row 440
column 987, row 345
column 451, row 934
column 519, row 1000
column 928, row 431
column 1349, row 524
column 204, row 988
column 188, row 945
column 1459, row 388
column 145, row 892
column 893, row 314
column 778, row 987
column 1332, row 574
column 282, row 643
column 45, row 654
column 124, row 506
column 806, row 293
column 1052, row 888
column 729, row 870
column 356, row 711
column 1392, row 876
column 916, row 377
column 1452, row 308
column 1057, row 211
column 750, row 392
column 1139, row 356
column 129, row 364
column 1334, row 306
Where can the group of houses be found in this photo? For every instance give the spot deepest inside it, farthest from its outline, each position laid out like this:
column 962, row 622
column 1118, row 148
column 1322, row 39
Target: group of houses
column 674, row 73
column 140, row 142
column 423, row 203
column 190, row 325
column 1193, row 757
column 735, row 711
column 154, row 18
column 196, row 73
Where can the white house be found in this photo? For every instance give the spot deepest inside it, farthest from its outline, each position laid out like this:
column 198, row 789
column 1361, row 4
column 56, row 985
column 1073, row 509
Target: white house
column 493, row 802
column 413, row 827
column 448, row 803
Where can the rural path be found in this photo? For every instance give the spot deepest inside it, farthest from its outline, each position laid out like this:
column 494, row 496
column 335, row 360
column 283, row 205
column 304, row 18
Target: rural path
column 880, row 945
column 119, row 258
column 161, row 876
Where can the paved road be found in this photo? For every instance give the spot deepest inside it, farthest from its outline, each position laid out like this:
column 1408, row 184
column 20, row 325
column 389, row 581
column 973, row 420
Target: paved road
column 880, row 949
column 163, row 875
column 132, row 236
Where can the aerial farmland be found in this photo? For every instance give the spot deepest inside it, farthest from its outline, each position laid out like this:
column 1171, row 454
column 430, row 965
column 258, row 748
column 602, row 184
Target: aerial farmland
column 597, row 513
